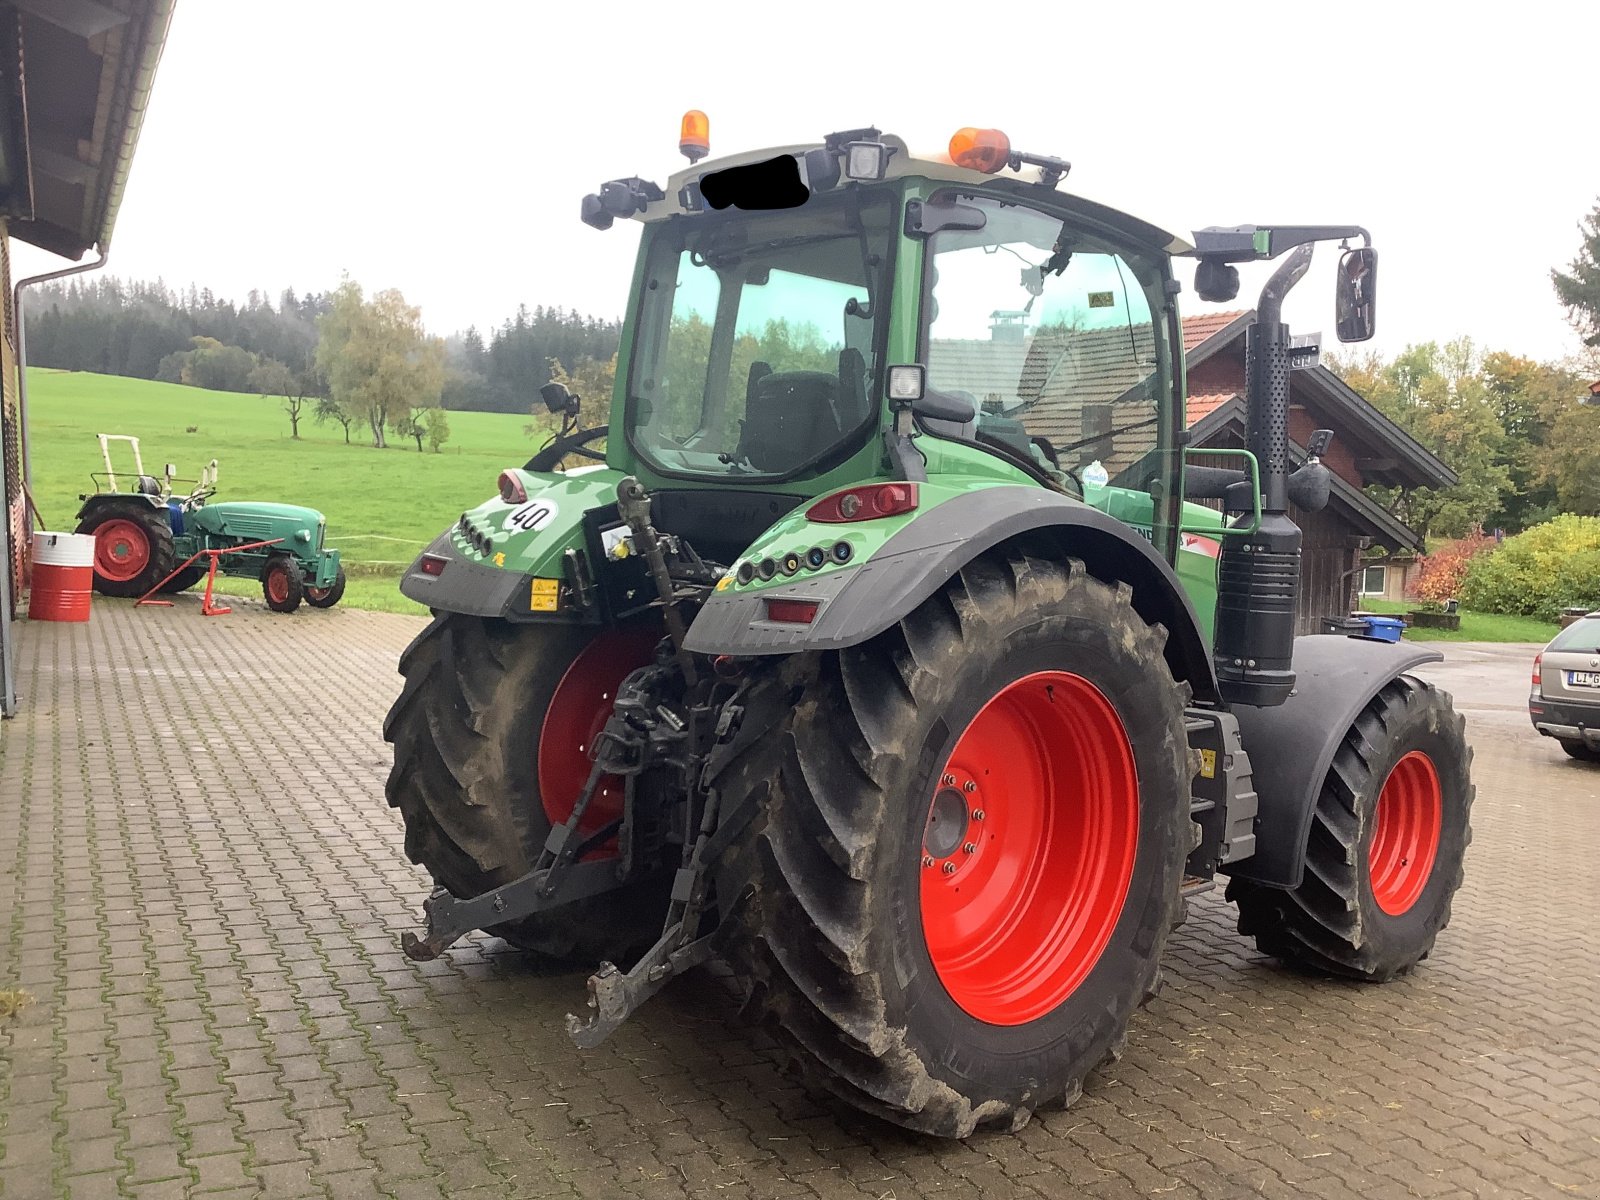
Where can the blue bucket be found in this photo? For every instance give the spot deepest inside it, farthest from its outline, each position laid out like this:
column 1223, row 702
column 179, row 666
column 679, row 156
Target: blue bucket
column 1385, row 629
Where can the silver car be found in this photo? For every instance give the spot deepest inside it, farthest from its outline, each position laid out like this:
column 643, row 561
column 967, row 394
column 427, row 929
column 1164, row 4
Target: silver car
column 1565, row 701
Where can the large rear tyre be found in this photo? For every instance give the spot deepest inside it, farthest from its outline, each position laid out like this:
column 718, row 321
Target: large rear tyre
column 1388, row 839
column 491, row 735
column 968, row 851
column 132, row 547
column 184, row 579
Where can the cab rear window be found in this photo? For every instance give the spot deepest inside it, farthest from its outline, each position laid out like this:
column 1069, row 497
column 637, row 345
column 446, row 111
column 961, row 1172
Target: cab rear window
column 1581, row 637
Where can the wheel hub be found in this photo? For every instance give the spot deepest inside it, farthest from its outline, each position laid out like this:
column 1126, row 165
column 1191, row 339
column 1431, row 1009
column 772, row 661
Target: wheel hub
column 947, row 823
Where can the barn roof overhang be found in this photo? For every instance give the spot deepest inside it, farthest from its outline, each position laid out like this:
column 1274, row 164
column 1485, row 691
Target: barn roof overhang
column 76, row 77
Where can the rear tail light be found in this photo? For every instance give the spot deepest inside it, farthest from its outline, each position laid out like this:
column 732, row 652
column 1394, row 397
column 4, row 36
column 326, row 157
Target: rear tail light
column 792, row 612
column 1538, row 659
column 433, row 564
column 511, row 489
column 864, row 503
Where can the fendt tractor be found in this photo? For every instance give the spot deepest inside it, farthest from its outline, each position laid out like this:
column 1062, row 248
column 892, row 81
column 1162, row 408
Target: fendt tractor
column 896, row 648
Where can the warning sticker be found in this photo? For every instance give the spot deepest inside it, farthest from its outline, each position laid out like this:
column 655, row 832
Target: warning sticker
column 1208, row 764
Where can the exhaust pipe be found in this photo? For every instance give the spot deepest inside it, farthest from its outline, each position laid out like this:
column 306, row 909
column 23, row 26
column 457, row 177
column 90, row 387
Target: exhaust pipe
column 1258, row 577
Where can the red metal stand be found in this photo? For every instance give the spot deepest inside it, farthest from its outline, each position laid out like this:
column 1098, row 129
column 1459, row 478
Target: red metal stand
column 207, row 609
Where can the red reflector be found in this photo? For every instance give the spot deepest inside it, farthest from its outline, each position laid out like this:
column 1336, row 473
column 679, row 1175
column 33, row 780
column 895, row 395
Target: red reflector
column 433, row 564
column 792, row 612
column 511, row 489
column 864, row 503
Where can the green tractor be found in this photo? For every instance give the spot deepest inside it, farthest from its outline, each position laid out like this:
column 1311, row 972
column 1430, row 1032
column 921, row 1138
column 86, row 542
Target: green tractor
column 151, row 537
column 897, row 650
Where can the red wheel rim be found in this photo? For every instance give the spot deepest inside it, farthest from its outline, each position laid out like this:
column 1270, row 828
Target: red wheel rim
column 316, row 593
column 578, row 711
column 278, row 585
column 1406, row 838
column 1029, row 848
column 121, row 550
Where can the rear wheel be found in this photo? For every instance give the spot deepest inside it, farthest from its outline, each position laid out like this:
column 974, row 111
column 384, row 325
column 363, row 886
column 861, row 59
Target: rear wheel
column 184, row 579
column 1580, row 751
column 972, row 837
column 132, row 547
column 1387, row 843
column 329, row 596
column 283, row 584
column 491, row 741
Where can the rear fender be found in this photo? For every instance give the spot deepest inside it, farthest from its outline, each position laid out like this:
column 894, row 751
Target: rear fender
column 495, row 551
column 861, row 600
column 1292, row 745
column 92, row 504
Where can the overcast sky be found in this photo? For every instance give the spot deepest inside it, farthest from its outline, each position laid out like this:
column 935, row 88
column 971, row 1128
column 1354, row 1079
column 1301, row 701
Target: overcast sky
column 443, row 149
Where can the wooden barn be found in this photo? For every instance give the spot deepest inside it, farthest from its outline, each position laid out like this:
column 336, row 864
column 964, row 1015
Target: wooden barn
column 1368, row 448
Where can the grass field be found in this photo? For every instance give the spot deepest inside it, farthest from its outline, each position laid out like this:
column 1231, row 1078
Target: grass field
column 1475, row 627
column 382, row 506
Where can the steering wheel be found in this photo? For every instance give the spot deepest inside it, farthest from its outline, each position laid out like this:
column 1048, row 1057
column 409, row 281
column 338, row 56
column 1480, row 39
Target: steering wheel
column 560, row 447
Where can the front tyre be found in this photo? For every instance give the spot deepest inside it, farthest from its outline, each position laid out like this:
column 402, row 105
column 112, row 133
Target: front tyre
column 970, row 848
column 329, row 596
column 1388, row 838
column 283, row 584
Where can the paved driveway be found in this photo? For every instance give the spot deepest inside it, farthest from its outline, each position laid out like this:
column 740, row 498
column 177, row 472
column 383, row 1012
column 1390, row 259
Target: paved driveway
column 202, row 890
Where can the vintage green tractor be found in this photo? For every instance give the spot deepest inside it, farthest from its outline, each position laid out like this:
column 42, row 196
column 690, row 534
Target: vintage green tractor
column 146, row 536
column 894, row 649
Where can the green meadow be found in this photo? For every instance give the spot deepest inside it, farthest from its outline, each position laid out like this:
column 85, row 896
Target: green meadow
column 382, row 506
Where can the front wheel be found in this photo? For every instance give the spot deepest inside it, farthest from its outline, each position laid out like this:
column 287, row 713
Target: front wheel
column 283, row 584
column 970, row 847
column 329, row 596
column 1388, row 838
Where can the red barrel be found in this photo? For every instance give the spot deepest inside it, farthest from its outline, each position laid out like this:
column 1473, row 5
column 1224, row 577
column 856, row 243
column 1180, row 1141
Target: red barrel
column 63, row 576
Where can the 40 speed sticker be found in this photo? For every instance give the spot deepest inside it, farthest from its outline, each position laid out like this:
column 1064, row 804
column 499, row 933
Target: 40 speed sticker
column 532, row 516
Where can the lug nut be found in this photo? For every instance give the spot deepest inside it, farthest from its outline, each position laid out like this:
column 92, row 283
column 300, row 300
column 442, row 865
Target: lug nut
column 949, row 868
column 971, row 847
column 977, row 814
column 927, row 860
column 948, row 780
column 969, row 786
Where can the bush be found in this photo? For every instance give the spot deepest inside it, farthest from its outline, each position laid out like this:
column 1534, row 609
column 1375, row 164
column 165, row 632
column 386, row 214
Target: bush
column 1540, row 572
column 1441, row 574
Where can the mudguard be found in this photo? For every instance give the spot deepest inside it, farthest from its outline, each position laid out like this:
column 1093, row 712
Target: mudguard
column 861, row 601
column 1291, row 746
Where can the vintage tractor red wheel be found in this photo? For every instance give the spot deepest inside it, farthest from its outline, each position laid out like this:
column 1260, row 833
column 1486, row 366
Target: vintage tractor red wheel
column 578, row 711
column 121, row 550
column 1406, row 840
column 132, row 545
column 1029, row 848
column 283, row 584
column 319, row 597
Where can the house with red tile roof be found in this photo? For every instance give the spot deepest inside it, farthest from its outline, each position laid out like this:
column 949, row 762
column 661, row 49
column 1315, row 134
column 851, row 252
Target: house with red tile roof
column 1367, row 448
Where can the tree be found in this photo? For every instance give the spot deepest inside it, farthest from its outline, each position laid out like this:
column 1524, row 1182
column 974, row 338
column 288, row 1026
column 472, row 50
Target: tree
column 1580, row 291
column 272, row 378
column 379, row 361
column 1440, row 396
column 329, row 409
column 438, row 429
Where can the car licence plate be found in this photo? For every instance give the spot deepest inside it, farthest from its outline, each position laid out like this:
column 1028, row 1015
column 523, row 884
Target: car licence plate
column 1583, row 679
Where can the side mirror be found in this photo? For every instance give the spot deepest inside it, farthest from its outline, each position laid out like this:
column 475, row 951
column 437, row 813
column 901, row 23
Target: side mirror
column 943, row 406
column 556, row 397
column 1356, row 314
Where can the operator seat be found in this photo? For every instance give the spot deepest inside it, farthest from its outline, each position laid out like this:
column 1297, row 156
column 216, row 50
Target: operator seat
column 789, row 419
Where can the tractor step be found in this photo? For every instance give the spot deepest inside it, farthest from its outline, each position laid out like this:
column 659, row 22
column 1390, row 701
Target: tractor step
column 1193, row 885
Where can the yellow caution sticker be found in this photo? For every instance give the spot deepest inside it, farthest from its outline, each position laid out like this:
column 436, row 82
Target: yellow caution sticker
column 545, row 595
column 724, row 583
column 1208, row 764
